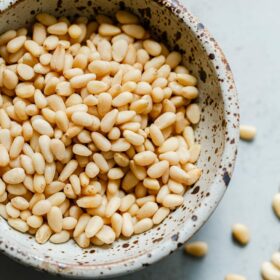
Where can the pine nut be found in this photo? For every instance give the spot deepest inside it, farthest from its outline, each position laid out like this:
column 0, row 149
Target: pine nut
column 93, row 226
column 125, row 17
column 42, row 207
column 269, row 271
column 43, row 234
column 196, row 249
column 241, row 234
column 160, row 215
column 54, row 217
column 60, row 237
column 18, row 224
column 14, row 176
column 127, row 226
column 158, row 169
column 143, row 225
column 89, row 201
column 172, row 200
column 134, row 30
column 247, row 132
column 234, row 277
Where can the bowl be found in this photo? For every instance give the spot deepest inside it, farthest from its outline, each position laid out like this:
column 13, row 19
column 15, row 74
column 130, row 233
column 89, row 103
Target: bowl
column 217, row 132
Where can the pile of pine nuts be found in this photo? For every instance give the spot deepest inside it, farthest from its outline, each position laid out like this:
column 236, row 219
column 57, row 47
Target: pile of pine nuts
column 96, row 137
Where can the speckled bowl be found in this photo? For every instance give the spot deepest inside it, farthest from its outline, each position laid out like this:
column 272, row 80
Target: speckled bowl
column 217, row 132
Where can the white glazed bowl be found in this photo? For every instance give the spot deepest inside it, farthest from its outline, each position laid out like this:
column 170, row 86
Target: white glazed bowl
column 217, row 133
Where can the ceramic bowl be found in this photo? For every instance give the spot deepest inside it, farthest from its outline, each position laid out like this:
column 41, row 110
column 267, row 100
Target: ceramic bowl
column 217, row 132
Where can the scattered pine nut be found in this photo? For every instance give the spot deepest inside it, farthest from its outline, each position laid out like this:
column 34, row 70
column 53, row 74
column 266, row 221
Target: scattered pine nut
column 196, row 249
column 234, row 277
column 241, row 234
column 276, row 204
column 247, row 132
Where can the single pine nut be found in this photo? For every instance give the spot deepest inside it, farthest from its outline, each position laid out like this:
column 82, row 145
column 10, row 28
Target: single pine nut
column 18, row 224
column 147, row 210
column 54, row 217
column 241, row 234
column 172, row 201
column 134, row 30
column 158, row 169
column 234, row 277
column 125, row 17
column 106, row 235
column 60, row 237
column 42, row 207
column 160, row 215
column 34, row 221
column 247, row 132
column 275, row 259
column 43, row 234
column 127, row 226
column 4, row 156
column 193, row 113
column 116, row 222
column 89, row 201
column 143, row 225
column 14, row 176
column 196, row 249
column 93, row 226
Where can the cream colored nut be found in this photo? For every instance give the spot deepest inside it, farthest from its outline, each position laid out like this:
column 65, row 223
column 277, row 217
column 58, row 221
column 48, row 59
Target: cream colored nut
column 60, row 237
column 145, row 158
column 234, row 277
column 172, row 201
column 42, row 207
column 106, row 235
column 55, row 218
column 275, row 259
column 42, row 127
column 93, row 226
column 152, row 47
column 269, row 271
column 43, row 234
column 143, row 225
column 125, row 17
column 196, row 249
column 134, row 30
column 10, row 79
column 4, row 156
column 106, row 29
column 74, row 31
column 89, row 201
column 15, row 44
column 158, row 169
column 59, row 28
column 247, row 132
column 160, row 215
column 193, row 113
column 18, row 224
column 14, row 176
column 276, row 204
column 241, row 234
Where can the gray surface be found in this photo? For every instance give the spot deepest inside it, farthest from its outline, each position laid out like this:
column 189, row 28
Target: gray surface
column 248, row 32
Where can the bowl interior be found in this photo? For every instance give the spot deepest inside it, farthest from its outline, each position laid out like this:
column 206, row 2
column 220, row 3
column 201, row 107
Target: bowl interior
column 176, row 27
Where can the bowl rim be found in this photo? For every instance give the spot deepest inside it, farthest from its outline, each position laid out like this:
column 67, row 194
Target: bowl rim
column 221, row 181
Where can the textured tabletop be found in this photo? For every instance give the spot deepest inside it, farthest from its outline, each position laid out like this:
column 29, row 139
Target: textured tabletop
column 248, row 32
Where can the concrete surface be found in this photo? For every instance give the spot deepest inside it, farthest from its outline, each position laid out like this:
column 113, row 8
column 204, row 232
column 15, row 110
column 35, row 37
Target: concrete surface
column 248, row 32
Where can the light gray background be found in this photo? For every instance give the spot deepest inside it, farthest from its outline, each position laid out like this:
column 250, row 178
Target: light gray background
column 248, row 32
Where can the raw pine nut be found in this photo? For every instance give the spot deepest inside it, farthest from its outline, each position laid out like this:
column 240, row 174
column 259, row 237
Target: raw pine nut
column 234, row 277
column 147, row 210
column 15, row 44
column 172, row 200
column 54, row 217
column 269, row 271
column 14, row 176
column 160, row 215
column 133, row 138
column 127, row 226
column 145, row 158
column 158, row 169
column 18, row 224
column 126, row 202
column 4, row 156
column 134, row 30
column 165, row 120
column 69, row 223
column 106, row 29
column 247, row 132
column 106, row 235
column 196, row 249
column 25, row 71
column 275, row 259
column 42, row 207
column 20, row 203
column 193, row 113
column 119, row 50
column 276, row 204
column 125, row 17
column 82, row 240
column 34, row 221
column 143, row 225
column 89, row 201
column 186, row 79
column 43, row 234
column 68, row 170
column 60, row 237
column 241, row 234
column 116, row 222
column 93, row 226
column 173, row 59
column 112, row 206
